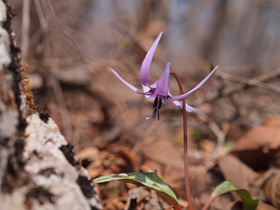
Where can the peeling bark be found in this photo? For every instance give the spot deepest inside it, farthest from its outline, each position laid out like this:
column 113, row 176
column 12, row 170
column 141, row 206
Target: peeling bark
column 38, row 169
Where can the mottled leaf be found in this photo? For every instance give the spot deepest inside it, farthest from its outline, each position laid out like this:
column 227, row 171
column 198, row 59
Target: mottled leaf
column 146, row 179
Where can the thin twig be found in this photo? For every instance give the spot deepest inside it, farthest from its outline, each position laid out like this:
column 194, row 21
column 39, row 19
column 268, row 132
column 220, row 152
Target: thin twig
column 251, row 82
column 220, row 139
column 59, row 96
column 41, row 15
column 238, row 87
column 25, row 28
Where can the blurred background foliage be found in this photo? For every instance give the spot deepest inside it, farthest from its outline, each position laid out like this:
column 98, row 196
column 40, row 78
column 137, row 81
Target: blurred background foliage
column 67, row 45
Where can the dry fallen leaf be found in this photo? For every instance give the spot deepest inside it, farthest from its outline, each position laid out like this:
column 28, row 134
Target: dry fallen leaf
column 90, row 153
column 264, row 206
column 262, row 143
column 238, row 172
column 264, row 137
column 142, row 197
column 272, row 189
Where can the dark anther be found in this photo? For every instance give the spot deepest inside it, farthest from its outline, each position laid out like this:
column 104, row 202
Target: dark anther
column 156, row 106
column 155, row 102
column 160, row 102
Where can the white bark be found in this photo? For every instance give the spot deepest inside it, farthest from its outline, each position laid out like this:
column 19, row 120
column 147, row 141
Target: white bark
column 38, row 169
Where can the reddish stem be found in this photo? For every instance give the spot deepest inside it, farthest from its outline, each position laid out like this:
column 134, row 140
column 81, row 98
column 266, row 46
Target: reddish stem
column 187, row 180
column 207, row 205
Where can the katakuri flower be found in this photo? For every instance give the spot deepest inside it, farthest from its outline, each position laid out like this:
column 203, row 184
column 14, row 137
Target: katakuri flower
column 159, row 90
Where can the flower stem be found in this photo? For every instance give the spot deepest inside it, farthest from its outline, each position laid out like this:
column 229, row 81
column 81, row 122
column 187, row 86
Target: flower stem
column 187, row 179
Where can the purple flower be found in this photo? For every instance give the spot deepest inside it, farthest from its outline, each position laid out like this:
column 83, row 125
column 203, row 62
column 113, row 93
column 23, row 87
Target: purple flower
column 159, row 90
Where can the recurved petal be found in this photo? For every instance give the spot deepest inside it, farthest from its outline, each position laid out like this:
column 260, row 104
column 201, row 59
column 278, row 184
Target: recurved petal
column 144, row 73
column 189, row 108
column 125, row 82
column 196, row 87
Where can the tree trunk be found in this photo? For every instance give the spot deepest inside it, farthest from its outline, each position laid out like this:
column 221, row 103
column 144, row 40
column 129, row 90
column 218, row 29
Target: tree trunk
column 38, row 169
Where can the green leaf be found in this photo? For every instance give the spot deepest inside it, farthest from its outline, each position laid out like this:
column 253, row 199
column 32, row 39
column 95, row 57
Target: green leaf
column 146, row 179
column 249, row 202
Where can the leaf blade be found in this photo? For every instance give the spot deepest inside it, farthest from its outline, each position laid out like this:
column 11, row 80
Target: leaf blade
column 249, row 202
column 147, row 179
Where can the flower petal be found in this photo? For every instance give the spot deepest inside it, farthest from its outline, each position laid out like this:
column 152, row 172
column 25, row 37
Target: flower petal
column 168, row 100
column 196, row 87
column 189, row 108
column 125, row 82
column 162, row 84
column 144, row 73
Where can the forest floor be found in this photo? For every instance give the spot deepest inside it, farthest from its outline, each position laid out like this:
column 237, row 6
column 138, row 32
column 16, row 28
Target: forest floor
column 234, row 136
column 106, row 124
